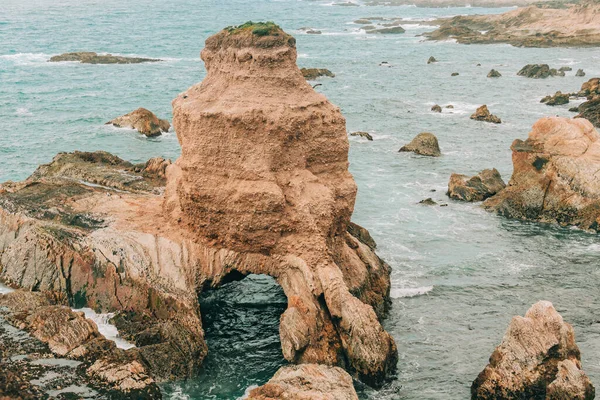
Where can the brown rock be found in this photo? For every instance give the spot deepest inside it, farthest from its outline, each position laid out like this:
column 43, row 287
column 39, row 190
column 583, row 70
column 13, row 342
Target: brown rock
column 477, row 188
column 428, row 202
column 535, row 71
column 425, row 144
column 558, row 99
column 365, row 135
column 590, row 110
column 436, row 108
column 313, row 73
column 494, row 74
column 431, row 60
column 144, row 121
column 307, row 381
column 454, row 74
column 580, row 73
column 526, row 364
column 590, row 88
column 554, row 175
column 87, row 57
column 483, row 114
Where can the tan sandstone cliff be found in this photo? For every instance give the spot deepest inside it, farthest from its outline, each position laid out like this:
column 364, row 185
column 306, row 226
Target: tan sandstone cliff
column 262, row 187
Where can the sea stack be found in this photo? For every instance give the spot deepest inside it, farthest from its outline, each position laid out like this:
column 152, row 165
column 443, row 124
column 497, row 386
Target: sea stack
column 555, row 175
column 264, row 173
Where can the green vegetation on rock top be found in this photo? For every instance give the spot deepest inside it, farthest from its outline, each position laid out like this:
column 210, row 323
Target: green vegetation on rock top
column 257, row 28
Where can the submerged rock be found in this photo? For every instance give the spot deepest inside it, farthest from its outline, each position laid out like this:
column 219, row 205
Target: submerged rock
column 436, row 108
column 262, row 187
column 555, row 175
column 483, row 114
column 428, row 202
column 425, row 144
column 454, row 74
column 580, row 73
column 537, row 359
column 477, row 188
column 307, row 381
column 564, row 69
column 365, row 135
column 144, row 121
column 87, row 57
column 314, row 73
column 363, row 21
column 494, row 74
column 559, row 98
column 390, row 30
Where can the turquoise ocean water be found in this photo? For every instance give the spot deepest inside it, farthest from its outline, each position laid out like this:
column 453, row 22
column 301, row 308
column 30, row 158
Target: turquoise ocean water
column 459, row 273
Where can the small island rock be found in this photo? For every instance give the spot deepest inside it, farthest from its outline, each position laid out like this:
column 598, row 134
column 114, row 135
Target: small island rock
column 477, row 188
column 425, row 144
column 483, row 114
column 144, row 121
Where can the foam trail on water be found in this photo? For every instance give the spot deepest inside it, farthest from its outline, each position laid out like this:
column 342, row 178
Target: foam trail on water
column 105, row 327
column 397, row 293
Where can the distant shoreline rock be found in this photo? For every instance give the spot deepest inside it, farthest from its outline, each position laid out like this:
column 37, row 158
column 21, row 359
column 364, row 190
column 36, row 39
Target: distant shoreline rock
column 87, row 57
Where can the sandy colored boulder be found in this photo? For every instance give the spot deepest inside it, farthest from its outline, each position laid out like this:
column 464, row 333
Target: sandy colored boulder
column 307, row 382
column 483, row 114
column 144, row 121
column 425, row 144
column 313, row 73
column 555, row 175
column 537, row 356
column 477, row 188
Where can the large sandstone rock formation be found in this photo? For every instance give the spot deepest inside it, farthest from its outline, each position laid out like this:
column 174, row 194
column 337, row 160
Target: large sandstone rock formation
column 537, row 359
column 307, row 381
column 262, row 187
column 533, row 26
column 556, row 175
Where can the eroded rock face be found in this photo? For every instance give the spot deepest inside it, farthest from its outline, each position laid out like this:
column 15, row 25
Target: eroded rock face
column 537, row 359
column 144, row 121
column 262, row 187
column 477, row 188
column 559, row 98
column 307, row 381
column 555, row 175
column 88, row 57
column 483, row 114
column 313, row 73
column 276, row 186
column 425, row 144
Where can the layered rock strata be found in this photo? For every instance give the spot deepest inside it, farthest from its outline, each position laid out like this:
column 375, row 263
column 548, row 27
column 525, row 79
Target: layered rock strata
column 538, row 359
column 533, row 26
column 556, row 175
column 262, row 187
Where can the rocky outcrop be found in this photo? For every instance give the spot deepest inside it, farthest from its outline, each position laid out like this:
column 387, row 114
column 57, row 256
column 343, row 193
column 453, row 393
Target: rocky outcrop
column 262, row 187
column 144, row 121
column 87, row 57
column 425, row 144
column 69, row 335
column 555, row 175
column 313, row 73
column 431, row 60
column 559, row 98
column 494, row 74
column 537, row 359
column 477, row 188
column 580, row 73
column 483, row 114
column 436, row 108
column 539, row 71
column 365, row 135
column 533, row 26
column 387, row 31
column 565, row 69
column 590, row 110
column 307, row 381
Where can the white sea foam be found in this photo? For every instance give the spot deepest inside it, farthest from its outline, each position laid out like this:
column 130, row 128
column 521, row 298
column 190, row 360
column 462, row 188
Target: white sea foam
column 397, row 293
column 24, row 59
column 106, row 328
column 5, row 289
column 247, row 392
column 23, row 112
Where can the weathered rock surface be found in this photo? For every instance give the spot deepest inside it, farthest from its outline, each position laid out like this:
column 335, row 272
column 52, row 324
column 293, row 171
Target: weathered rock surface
column 425, row 144
column 262, row 187
column 477, row 188
column 87, row 57
column 537, row 359
column 559, row 98
column 431, row 60
column 539, row 71
column 533, row 26
column 483, row 114
column 59, row 331
column 590, row 110
column 494, row 74
column 436, row 108
column 313, row 73
column 365, row 135
column 580, row 73
column 307, row 381
column 555, row 175
column 144, row 121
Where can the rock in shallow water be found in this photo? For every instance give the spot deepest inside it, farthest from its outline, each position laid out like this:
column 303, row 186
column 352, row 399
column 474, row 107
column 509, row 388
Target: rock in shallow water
column 555, row 175
column 307, row 381
column 87, row 57
column 144, row 121
column 425, row 144
column 477, row 188
column 313, row 73
column 483, row 114
column 494, row 74
column 537, row 360
column 558, row 99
